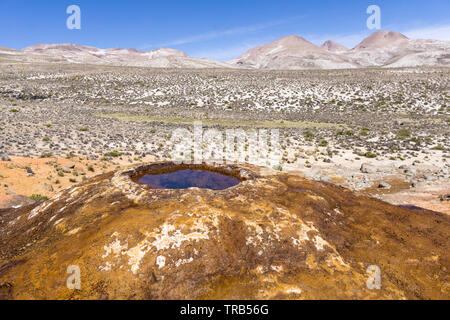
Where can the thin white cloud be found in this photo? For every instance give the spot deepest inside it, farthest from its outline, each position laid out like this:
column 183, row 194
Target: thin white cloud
column 230, row 52
column 217, row 34
column 441, row 32
column 222, row 54
column 233, row 51
column 350, row 40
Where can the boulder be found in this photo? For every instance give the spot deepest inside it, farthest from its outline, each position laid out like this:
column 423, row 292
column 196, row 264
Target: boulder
column 368, row 168
column 5, row 158
column 48, row 187
column 68, row 167
column 384, row 185
column 30, row 172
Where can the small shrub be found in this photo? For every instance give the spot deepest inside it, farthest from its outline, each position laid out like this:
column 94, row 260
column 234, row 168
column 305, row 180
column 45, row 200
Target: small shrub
column 47, row 155
column 439, row 147
column 278, row 168
column 323, row 143
column 38, row 197
column 364, row 132
column 114, row 154
column 370, row 155
column 403, row 134
column 309, row 135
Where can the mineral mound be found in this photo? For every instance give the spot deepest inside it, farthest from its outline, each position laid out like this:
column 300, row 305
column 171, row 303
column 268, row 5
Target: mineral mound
column 273, row 236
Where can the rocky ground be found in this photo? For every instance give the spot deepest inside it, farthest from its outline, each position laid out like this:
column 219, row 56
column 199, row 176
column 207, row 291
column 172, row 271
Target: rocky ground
column 378, row 132
column 28, row 180
column 273, row 236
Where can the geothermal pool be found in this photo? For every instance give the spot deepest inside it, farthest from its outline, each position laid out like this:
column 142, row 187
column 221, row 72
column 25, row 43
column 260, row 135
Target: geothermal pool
column 184, row 179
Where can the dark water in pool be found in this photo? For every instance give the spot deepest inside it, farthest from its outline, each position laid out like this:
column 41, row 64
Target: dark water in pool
column 184, row 179
column 408, row 206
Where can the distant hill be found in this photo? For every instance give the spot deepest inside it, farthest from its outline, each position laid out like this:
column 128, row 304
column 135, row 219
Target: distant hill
column 381, row 49
column 333, row 46
column 72, row 53
column 291, row 52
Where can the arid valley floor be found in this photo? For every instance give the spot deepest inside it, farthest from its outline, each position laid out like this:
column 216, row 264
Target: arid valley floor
column 380, row 132
column 363, row 183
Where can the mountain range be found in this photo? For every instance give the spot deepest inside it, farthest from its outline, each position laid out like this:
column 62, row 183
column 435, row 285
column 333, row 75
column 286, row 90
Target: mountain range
column 381, row 49
column 71, row 53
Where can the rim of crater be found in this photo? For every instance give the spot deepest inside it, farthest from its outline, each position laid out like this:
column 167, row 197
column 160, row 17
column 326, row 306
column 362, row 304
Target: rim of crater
column 125, row 179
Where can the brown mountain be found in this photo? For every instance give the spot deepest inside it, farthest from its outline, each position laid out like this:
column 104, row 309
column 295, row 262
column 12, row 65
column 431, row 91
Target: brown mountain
column 72, row 53
column 383, row 39
column 333, row 46
column 291, row 52
column 382, row 49
column 393, row 49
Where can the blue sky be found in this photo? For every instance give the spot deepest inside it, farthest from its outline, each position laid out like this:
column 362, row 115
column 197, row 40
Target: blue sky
column 215, row 29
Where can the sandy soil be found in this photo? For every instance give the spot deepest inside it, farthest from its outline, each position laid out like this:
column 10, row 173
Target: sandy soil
column 425, row 195
column 52, row 175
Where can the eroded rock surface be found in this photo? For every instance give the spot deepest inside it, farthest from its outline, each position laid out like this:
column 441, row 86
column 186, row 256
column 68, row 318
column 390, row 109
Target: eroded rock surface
column 270, row 237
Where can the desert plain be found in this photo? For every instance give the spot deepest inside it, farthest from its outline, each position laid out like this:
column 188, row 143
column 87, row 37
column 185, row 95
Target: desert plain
column 379, row 132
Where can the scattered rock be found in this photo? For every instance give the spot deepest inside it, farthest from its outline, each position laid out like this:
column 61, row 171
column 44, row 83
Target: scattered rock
column 5, row 158
column 171, row 244
column 15, row 201
column 30, row 172
column 384, row 185
column 68, row 167
column 48, row 187
column 324, row 179
column 368, row 168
